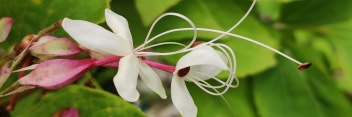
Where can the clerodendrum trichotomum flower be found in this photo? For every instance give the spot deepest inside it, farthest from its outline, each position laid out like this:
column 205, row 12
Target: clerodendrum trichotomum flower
column 118, row 43
column 202, row 63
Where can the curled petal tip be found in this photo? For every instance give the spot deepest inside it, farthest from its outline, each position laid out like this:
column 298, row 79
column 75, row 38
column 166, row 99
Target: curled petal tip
column 164, row 97
column 304, row 66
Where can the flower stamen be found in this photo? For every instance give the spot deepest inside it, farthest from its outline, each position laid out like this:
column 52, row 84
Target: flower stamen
column 304, row 66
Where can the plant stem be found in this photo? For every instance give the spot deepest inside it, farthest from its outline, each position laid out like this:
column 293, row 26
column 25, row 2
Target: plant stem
column 107, row 60
column 167, row 68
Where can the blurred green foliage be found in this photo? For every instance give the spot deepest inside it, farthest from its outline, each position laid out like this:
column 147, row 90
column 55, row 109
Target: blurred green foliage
column 89, row 102
column 318, row 31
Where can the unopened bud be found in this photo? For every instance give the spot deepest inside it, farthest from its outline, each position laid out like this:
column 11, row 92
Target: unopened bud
column 5, row 27
column 57, row 73
column 49, row 47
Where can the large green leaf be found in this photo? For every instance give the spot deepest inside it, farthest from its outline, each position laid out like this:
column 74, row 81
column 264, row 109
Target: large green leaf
column 281, row 91
column 334, row 41
column 330, row 100
column 240, row 102
column 151, row 9
column 269, row 10
column 320, row 51
column 24, row 103
column 304, row 13
column 33, row 15
column 284, row 91
column 340, row 36
column 89, row 102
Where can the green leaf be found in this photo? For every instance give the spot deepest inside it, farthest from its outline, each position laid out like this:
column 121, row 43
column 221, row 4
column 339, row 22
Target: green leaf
column 305, row 13
column 285, row 91
column 31, row 16
column 340, row 36
column 330, row 100
column 318, row 45
column 269, row 9
column 239, row 100
column 24, row 103
column 151, row 9
column 89, row 102
column 281, row 91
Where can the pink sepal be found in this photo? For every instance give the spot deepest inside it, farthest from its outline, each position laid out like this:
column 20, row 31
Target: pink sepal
column 57, row 73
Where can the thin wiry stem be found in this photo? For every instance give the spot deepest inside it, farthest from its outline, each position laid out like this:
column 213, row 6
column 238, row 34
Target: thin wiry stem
column 147, row 40
column 232, row 62
column 238, row 23
column 164, row 43
column 222, row 32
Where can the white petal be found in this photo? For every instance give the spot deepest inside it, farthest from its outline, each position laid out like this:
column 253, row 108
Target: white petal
column 118, row 24
column 151, row 79
column 96, row 38
column 210, row 70
column 182, row 99
column 201, row 56
column 126, row 79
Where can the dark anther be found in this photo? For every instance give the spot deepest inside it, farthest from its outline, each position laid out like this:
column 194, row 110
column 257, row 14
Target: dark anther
column 304, row 66
column 183, row 72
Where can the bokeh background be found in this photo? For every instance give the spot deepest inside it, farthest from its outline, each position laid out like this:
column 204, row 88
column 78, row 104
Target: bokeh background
column 317, row 31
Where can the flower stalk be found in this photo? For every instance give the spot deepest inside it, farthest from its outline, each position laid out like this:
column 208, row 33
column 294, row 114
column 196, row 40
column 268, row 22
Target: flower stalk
column 160, row 66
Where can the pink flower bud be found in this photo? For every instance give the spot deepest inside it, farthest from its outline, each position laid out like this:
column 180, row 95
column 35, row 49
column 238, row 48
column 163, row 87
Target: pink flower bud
column 5, row 27
column 57, row 73
column 48, row 47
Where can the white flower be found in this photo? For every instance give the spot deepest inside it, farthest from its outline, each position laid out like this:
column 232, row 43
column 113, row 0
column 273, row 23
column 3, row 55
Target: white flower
column 119, row 43
column 201, row 64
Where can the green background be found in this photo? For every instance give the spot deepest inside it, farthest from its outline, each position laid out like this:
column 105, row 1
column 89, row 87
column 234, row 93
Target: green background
column 317, row 31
